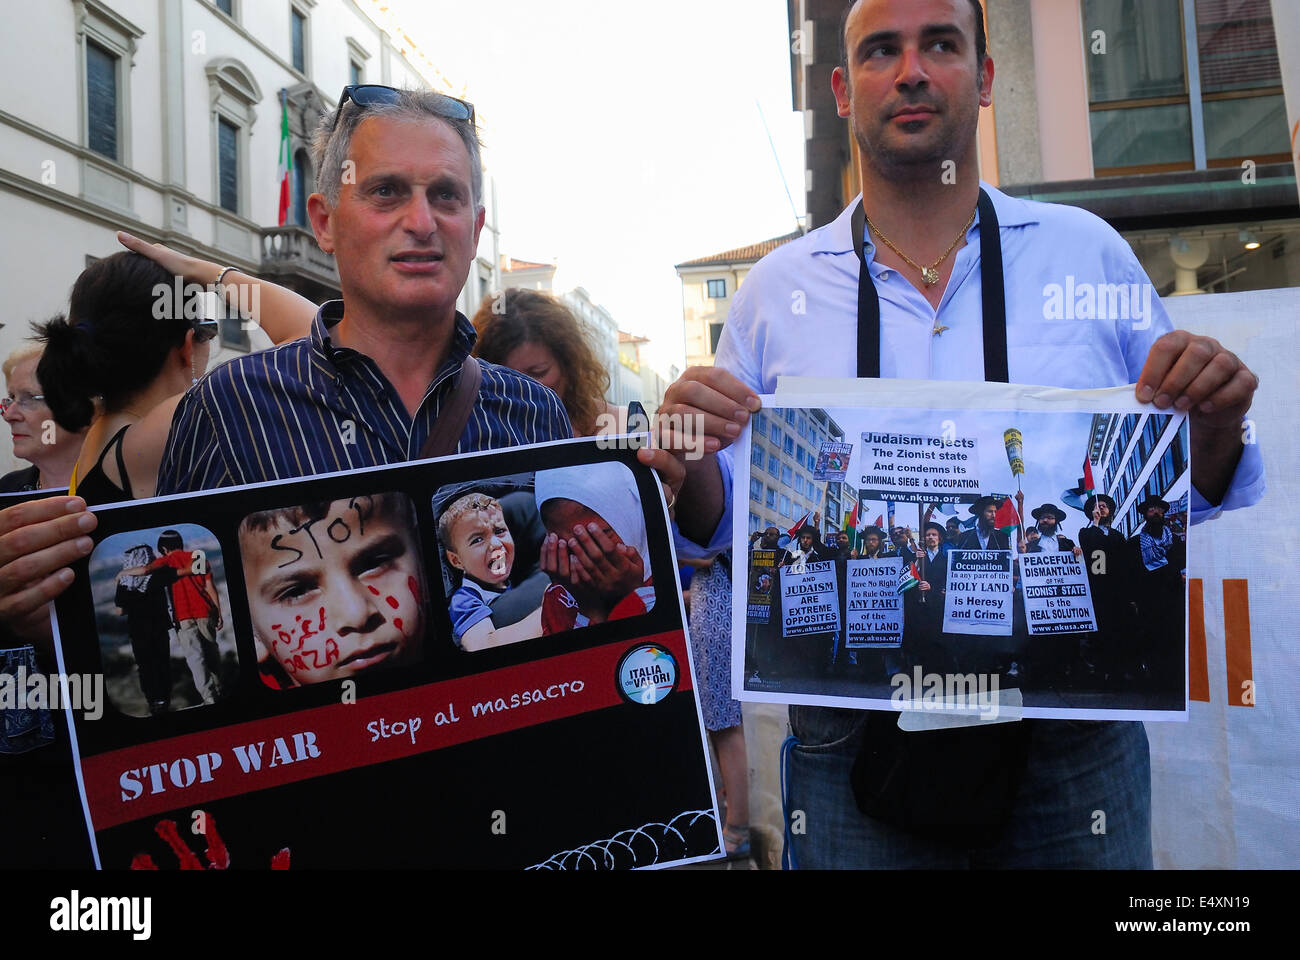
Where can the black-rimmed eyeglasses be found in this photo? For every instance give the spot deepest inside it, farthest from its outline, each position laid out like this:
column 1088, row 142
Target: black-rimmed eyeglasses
column 369, row 94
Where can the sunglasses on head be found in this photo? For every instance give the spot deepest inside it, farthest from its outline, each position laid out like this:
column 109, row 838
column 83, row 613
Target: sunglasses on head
column 205, row 330
column 369, row 94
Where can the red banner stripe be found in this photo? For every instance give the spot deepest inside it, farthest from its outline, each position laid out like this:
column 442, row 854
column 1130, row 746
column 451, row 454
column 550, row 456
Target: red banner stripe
column 343, row 736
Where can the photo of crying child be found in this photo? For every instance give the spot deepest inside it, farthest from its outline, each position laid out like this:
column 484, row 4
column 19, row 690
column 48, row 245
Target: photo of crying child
column 545, row 553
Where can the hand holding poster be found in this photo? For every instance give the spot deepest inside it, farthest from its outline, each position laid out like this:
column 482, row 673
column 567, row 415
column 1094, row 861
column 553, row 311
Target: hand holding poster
column 424, row 664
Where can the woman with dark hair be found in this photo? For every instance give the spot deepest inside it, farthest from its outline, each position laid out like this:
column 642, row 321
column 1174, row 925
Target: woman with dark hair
column 127, row 351
column 535, row 333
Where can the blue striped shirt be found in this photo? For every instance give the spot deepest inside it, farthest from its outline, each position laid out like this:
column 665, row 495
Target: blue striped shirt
column 308, row 407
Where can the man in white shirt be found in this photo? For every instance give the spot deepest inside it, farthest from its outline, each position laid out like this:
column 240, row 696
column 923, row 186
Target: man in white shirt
column 915, row 74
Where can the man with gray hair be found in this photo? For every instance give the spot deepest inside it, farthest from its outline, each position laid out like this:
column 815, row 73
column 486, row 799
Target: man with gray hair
column 399, row 184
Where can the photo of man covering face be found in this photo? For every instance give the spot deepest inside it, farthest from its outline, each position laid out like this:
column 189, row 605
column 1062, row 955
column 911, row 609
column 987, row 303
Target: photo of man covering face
column 334, row 588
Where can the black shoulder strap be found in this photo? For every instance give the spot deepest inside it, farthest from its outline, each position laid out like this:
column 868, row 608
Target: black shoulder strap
column 994, row 297
column 444, row 438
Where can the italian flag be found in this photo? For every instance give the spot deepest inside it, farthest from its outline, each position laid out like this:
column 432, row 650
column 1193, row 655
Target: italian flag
column 286, row 161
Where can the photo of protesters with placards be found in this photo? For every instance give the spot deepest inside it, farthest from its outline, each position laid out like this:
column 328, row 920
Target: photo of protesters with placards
column 335, row 588
column 1077, row 602
column 162, row 618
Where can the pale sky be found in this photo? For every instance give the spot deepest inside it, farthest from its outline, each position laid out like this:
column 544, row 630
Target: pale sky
column 625, row 138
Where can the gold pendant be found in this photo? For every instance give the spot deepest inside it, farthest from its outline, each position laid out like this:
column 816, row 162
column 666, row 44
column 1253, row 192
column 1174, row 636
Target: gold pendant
column 938, row 331
column 930, row 275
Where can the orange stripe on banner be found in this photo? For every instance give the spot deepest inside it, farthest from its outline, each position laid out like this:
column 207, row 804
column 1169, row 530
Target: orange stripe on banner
column 1198, row 674
column 1236, row 637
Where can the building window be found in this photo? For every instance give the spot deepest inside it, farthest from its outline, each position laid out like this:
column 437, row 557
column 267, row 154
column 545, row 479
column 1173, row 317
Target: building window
column 790, row 415
column 228, row 165
column 760, row 424
column 717, row 289
column 715, row 334
column 756, row 458
column 798, row 484
column 226, row 6
column 770, row 499
column 301, row 183
column 298, row 38
column 774, row 434
column 354, row 72
column 232, row 94
column 773, row 465
column 785, row 506
column 755, row 489
column 789, row 446
column 1169, row 95
column 787, row 476
column 101, row 100
column 755, row 524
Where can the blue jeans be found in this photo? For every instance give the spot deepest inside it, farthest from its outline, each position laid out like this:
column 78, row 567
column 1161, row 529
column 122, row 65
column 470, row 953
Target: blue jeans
column 1082, row 777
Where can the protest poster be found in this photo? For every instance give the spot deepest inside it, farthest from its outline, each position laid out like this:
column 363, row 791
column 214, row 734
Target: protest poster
column 762, row 565
column 809, row 600
column 914, row 468
column 397, row 666
column 832, row 461
column 978, row 592
column 873, row 608
column 1057, row 598
column 978, row 495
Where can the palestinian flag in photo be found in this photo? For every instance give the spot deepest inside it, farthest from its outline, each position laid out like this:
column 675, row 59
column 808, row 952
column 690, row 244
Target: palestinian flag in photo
column 851, row 525
column 805, row 520
column 908, row 577
column 1006, row 518
column 285, row 171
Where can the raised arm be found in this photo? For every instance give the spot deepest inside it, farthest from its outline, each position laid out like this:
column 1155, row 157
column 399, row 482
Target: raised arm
column 283, row 314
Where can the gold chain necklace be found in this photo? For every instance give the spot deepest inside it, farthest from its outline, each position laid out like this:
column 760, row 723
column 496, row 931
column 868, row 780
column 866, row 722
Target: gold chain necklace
column 929, row 274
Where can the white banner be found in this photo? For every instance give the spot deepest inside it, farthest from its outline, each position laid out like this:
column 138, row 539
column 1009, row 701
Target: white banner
column 809, row 600
column 1057, row 596
column 979, row 593
column 873, row 605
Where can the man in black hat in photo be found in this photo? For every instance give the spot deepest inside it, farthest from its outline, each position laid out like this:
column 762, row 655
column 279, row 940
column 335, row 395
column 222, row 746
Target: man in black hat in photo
column 873, row 541
column 1159, row 560
column 805, row 550
column 1049, row 518
column 985, row 536
column 1110, row 653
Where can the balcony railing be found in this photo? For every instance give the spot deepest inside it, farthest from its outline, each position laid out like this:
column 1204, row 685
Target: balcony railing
column 291, row 252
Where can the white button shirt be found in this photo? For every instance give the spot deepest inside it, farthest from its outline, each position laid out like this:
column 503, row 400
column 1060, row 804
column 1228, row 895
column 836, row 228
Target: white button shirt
column 796, row 314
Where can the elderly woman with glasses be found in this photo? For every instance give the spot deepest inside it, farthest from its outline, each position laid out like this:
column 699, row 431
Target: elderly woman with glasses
column 50, row 449
column 129, row 347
